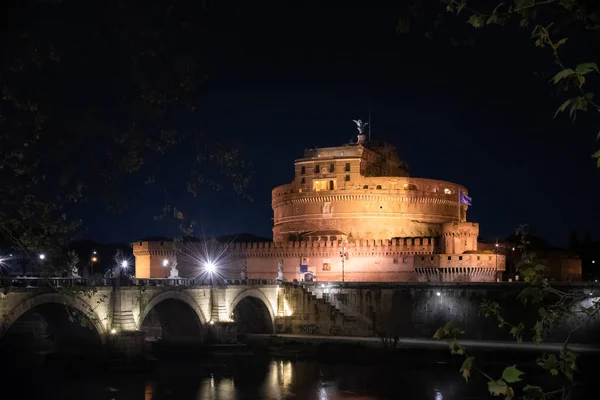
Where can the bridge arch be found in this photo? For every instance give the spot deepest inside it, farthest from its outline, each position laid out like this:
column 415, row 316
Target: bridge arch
column 53, row 298
column 259, row 300
column 174, row 317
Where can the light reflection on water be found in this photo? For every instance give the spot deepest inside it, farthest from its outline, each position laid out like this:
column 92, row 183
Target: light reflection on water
column 241, row 379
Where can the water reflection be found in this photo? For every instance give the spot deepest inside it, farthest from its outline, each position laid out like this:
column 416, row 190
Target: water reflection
column 255, row 378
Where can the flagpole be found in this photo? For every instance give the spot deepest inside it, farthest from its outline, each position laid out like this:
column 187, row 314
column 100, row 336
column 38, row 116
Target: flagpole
column 459, row 205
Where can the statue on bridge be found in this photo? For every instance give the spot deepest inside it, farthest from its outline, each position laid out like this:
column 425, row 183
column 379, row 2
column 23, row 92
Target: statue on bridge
column 244, row 271
column 280, row 271
column 174, row 273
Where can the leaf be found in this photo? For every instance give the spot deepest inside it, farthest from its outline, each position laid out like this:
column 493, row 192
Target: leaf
column 562, row 107
column 596, row 154
column 560, row 43
column 511, row 374
column 476, row 21
column 466, row 367
column 535, row 392
column 439, row 334
column 565, row 73
column 585, row 68
column 498, row 388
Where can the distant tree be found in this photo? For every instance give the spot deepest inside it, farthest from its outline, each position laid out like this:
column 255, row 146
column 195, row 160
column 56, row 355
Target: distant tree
column 95, row 95
column 554, row 25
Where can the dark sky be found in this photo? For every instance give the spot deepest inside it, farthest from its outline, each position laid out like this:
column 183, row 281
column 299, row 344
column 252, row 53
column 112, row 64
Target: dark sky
column 289, row 77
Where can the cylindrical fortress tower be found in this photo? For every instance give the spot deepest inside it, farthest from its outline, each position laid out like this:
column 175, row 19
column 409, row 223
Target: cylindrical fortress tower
column 362, row 191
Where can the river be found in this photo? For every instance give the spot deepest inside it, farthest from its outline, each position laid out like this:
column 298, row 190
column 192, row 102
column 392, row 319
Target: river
column 254, row 377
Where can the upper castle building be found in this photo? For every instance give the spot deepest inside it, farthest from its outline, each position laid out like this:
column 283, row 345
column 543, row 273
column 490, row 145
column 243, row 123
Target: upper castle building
column 354, row 213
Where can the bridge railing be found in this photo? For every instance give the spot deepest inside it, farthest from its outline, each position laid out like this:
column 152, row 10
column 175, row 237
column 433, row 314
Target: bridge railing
column 32, row 282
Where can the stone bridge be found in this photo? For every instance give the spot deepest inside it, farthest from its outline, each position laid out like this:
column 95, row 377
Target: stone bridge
column 174, row 310
column 187, row 311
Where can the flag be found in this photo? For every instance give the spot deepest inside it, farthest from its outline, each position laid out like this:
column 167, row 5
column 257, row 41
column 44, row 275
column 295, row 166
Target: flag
column 464, row 199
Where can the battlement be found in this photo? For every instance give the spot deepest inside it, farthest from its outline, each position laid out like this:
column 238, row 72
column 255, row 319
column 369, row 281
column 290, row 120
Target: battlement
column 424, row 245
column 448, row 261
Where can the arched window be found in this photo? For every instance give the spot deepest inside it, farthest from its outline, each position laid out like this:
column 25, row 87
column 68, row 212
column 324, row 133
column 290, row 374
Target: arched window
column 409, row 186
column 365, row 186
column 330, row 185
column 378, row 187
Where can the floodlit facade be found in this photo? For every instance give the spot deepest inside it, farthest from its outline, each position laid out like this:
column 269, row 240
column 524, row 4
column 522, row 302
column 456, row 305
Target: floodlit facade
column 353, row 213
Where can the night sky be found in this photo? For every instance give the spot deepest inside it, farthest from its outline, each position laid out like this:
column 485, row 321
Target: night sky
column 286, row 78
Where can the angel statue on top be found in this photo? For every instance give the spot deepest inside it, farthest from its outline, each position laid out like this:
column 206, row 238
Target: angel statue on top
column 360, row 126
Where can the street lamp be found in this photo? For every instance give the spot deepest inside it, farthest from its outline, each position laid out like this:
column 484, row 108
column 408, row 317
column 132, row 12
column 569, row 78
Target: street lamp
column 42, row 256
column 211, row 268
column 93, row 260
column 497, row 248
column 343, row 257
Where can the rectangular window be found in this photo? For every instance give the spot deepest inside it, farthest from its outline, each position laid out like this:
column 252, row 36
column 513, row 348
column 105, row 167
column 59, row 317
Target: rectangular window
column 303, row 170
column 303, row 181
column 459, row 258
column 347, row 178
column 319, row 185
column 326, row 267
column 395, row 261
column 317, row 169
column 449, row 258
column 422, row 258
column 347, row 169
column 331, row 167
column 478, row 258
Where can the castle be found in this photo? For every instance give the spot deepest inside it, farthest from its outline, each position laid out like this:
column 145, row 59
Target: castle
column 352, row 213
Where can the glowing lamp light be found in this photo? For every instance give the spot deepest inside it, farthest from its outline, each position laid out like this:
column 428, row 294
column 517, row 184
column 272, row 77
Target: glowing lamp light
column 211, row 268
column 42, row 256
column 438, row 294
column 123, row 264
column 212, row 322
column 94, row 259
column 593, row 261
column 165, row 262
column 113, row 331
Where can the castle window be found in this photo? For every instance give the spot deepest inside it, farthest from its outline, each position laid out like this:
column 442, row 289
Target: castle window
column 347, row 178
column 331, row 167
column 431, row 258
column 303, row 170
column 341, row 153
column 326, row 267
column 303, row 181
column 408, row 186
column 490, row 258
column 162, row 243
column 317, row 169
column 435, row 190
column 347, row 168
column 365, row 186
column 378, row 187
column 478, row 258
column 459, row 258
column 449, row 258
column 330, row 185
column 422, row 258
column 447, row 191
